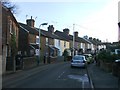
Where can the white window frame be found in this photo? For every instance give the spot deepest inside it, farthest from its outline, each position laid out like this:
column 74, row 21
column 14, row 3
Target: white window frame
column 59, row 42
column 46, row 41
column 64, row 43
column 10, row 26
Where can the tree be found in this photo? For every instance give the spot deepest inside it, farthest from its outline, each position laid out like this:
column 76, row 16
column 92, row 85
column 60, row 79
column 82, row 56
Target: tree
column 12, row 7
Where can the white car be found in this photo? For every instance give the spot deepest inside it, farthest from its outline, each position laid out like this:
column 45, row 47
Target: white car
column 78, row 61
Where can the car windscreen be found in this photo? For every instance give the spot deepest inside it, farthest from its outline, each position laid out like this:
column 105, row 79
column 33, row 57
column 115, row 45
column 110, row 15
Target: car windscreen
column 78, row 58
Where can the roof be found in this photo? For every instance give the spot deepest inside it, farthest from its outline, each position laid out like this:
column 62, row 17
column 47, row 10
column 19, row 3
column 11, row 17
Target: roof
column 79, row 39
column 95, row 42
column 63, row 35
column 35, row 46
column 53, row 47
column 69, row 37
column 49, row 34
column 29, row 29
column 87, row 40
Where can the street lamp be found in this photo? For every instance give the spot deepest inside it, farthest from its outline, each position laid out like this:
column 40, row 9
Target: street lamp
column 40, row 35
column 73, row 39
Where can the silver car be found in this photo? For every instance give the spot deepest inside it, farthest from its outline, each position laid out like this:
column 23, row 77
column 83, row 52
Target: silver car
column 78, row 61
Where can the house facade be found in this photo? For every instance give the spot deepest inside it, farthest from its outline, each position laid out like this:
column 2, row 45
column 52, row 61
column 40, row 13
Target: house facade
column 51, row 42
column 61, row 44
column 27, row 38
column 64, row 42
column 1, row 37
column 10, row 31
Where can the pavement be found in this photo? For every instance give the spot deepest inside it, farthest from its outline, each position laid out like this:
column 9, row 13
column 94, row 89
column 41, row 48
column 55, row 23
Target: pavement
column 101, row 78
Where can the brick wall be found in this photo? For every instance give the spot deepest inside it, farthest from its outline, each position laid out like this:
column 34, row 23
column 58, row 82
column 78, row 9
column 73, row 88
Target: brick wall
column 29, row 62
column 32, row 38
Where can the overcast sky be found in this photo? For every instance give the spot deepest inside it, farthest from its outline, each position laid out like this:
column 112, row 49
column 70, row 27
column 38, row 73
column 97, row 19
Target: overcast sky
column 95, row 18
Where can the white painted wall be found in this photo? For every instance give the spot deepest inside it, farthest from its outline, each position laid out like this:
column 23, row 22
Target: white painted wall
column 60, row 45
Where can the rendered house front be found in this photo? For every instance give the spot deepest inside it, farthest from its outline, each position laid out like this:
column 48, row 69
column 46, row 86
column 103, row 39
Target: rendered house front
column 63, row 42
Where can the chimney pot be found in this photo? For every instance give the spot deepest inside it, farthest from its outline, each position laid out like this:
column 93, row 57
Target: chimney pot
column 51, row 29
column 76, row 34
column 66, row 31
column 30, row 22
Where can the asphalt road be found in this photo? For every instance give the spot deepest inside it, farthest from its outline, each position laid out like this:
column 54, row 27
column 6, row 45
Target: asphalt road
column 57, row 75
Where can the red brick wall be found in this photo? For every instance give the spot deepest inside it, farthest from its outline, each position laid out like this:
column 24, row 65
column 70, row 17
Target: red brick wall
column 0, row 30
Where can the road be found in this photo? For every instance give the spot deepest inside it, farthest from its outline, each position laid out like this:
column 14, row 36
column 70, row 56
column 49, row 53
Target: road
column 57, row 75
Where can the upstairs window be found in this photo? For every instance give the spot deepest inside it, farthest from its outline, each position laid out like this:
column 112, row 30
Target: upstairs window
column 46, row 41
column 64, row 43
column 59, row 42
column 10, row 27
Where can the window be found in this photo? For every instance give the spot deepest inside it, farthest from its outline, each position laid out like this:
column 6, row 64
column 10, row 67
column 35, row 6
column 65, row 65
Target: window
column 15, row 30
column 64, row 43
column 46, row 41
column 59, row 42
column 10, row 26
column 37, row 39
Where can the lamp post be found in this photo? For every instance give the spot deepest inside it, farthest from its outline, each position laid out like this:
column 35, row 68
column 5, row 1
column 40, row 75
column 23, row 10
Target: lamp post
column 73, row 39
column 40, row 36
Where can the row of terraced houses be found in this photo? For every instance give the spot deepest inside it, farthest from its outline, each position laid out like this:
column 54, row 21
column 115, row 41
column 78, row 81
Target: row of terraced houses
column 53, row 42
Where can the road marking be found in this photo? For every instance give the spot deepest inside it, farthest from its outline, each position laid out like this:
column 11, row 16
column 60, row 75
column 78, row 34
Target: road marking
column 61, row 74
column 83, row 84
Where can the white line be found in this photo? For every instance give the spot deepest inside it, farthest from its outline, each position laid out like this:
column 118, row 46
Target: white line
column 83, row 84
column 61, row 74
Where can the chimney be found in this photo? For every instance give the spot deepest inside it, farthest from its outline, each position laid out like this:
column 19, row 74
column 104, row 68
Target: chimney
column 76, row 34
column 90, row 38
column 51, row 29
column 86, row 37
column 30, row 22
column 66, row 31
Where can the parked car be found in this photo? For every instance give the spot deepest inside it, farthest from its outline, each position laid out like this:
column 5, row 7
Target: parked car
column 89, row 58
column 78, row 61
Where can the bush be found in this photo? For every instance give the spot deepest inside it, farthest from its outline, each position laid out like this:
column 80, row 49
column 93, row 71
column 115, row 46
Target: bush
column 106, row 56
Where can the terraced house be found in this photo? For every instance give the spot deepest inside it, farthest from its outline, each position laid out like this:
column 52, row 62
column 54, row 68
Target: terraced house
column 51, row 45
column 80, row 45
column 10, row 32
column 27, row 38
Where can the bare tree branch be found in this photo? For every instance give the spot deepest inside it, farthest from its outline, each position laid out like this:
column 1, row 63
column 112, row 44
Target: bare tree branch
column 12, row 7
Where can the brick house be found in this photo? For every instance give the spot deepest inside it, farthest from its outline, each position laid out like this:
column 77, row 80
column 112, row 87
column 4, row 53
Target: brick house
column 49, row 48
column 50, row 43
column 9, row 27
column 27, row 38
column 97, row 44
column 81, row 44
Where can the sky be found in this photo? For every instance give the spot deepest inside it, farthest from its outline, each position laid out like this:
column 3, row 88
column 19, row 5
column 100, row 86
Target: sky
column 94, row 18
